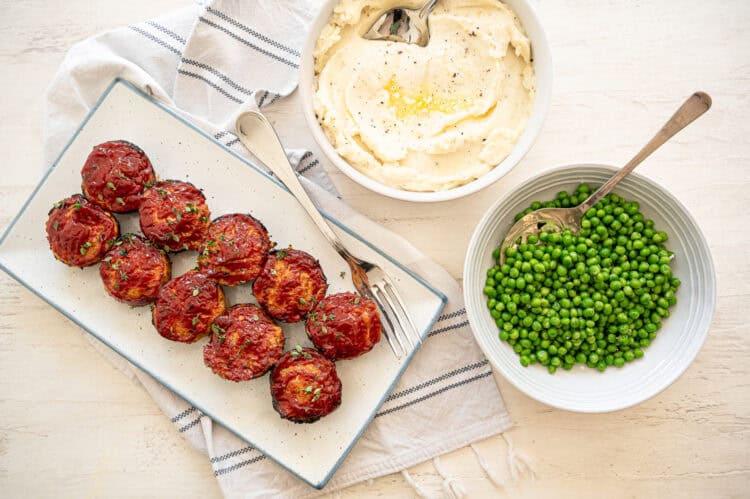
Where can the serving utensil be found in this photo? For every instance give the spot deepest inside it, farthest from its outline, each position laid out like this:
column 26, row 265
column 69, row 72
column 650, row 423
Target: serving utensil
column 559, row 219
column 258, row 135
column 403, row 24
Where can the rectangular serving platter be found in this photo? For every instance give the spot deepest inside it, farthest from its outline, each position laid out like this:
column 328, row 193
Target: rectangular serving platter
column 179, row 150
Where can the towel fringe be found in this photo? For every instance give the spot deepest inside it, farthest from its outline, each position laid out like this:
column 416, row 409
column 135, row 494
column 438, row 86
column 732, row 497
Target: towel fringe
column 451, row 485
column 518, row 463
column 417, row 489
column 485, row 466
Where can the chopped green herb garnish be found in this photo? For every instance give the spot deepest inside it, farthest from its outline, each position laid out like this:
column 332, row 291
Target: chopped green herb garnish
column 316, row 394
column 77, row 205
column 308, row 389
column 219, row 332
column 86, row 246
column 302, row 301
column 123, row 252
column 246, row 344
column 196, row 290
column 281, row 254
column 120, row 201
column 298, row 348
column 56, row 225
column 175, row 238
column 203, row 219
column 254, row 317
column 122, row 175
column 100, row 197
column 272, row 271
column 356, row 301
column 111, row 185
column 148, row 184
column 342, row 274
column 196, row 320
column 221, row 237
column 324, row 329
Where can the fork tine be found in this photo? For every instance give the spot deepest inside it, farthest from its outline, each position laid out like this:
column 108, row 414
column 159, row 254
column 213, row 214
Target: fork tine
column 393, row 317
column 390, row 317
column 410, row 330
column 389, row 334
column 388, row 330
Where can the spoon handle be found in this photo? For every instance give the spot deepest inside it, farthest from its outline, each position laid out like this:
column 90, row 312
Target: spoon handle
column 689, row 111
column 427, row 8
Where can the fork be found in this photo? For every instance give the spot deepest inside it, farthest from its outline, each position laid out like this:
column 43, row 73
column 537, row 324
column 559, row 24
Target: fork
column 259, row 137
column 559, row 219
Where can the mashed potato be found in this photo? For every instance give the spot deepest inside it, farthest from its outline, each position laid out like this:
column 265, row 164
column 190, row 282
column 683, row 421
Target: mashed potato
column 425, row 118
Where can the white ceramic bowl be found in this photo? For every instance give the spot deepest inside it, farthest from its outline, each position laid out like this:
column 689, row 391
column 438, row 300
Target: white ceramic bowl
column 543, row 70
column 583, row 389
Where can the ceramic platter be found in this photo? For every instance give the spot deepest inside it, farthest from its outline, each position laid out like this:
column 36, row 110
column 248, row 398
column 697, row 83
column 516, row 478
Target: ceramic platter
column 231, row 184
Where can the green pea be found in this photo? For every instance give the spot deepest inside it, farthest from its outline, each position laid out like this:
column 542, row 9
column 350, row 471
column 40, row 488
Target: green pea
column 595, row 298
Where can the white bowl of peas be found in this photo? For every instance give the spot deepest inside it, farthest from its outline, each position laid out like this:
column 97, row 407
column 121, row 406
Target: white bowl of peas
column 596, row 321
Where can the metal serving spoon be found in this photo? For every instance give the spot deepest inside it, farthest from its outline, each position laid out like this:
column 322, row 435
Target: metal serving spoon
column 402, row 24
column 559, row 219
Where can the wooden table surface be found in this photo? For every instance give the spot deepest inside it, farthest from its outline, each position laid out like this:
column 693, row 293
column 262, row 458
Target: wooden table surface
column 73, row 426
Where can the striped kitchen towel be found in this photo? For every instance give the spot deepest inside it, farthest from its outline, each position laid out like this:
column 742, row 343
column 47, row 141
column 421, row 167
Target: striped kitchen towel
column 210, row 62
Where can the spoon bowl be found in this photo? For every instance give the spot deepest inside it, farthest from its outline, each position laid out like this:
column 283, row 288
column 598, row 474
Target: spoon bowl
column 403, row 25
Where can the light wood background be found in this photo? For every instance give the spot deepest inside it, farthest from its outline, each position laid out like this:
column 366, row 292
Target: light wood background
column 73, row 426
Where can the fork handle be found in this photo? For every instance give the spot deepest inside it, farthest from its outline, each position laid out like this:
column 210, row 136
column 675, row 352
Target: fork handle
column 689, row 111
column 258, row 135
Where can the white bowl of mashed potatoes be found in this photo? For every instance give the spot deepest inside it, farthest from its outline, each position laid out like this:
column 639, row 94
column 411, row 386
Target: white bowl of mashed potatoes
column 427, row 123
